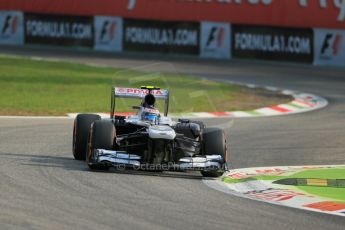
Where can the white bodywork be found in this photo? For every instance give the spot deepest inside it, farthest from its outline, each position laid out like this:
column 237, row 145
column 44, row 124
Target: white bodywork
column 117, row 157
column 161, row 132
column 208, row 162
column 135, row 119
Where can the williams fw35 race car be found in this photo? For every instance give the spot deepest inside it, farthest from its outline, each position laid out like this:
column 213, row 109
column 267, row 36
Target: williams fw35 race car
column 148, row 140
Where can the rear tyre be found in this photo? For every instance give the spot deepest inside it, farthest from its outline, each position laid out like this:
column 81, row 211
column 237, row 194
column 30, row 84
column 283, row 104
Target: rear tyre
column 214, row 142
column 81, row 129
column 101, row 136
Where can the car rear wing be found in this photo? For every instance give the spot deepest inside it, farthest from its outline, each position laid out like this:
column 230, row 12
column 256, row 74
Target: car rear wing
column 159, row 94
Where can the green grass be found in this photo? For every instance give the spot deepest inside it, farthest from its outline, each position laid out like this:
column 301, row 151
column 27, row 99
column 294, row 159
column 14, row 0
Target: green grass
column 327, row 192
column 338, row 173
column 35, row 87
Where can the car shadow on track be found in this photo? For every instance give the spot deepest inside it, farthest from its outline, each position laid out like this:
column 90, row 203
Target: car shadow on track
column 37, row 160
column 68, row 163
column 171, row 174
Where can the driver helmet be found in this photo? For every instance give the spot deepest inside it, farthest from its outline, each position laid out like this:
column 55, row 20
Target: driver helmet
column 150, row 114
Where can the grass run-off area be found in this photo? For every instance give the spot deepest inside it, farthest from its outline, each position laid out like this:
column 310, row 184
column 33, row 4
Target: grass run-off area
column 39, row 87
column 327, row 192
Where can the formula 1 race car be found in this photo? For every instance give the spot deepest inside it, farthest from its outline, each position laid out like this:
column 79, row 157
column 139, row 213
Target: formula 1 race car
column 148, row 140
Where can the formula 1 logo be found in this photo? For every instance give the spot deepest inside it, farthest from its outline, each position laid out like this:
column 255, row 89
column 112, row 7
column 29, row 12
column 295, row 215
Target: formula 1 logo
column 331, row 45
column 108, row 30
column 108, row 33
column 215, row 38
column 9, row 26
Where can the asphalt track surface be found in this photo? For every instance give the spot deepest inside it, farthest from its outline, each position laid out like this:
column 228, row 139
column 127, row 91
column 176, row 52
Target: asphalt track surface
column 42, row 187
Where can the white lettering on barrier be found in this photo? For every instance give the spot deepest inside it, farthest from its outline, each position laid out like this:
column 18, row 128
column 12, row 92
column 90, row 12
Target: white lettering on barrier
column 265, row 2
column 131, row 4
column 253, row 2
column 156, row 36
column 340, row 4
column 270, row 43
column 37, row 28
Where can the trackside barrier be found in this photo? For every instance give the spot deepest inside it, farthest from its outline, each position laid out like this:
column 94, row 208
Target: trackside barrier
column 205, row 39
column 272, row 43
column 161, row 36
column 286, row 13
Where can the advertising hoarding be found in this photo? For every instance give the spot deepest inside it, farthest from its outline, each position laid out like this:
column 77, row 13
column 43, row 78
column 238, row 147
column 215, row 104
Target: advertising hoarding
column 272, row 43
column 161, row 36
column 285, row 13
column 58, row 30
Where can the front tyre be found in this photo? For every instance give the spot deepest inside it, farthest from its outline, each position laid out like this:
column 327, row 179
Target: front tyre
column 82, row 124
column 101, row 136
column 214, row 142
